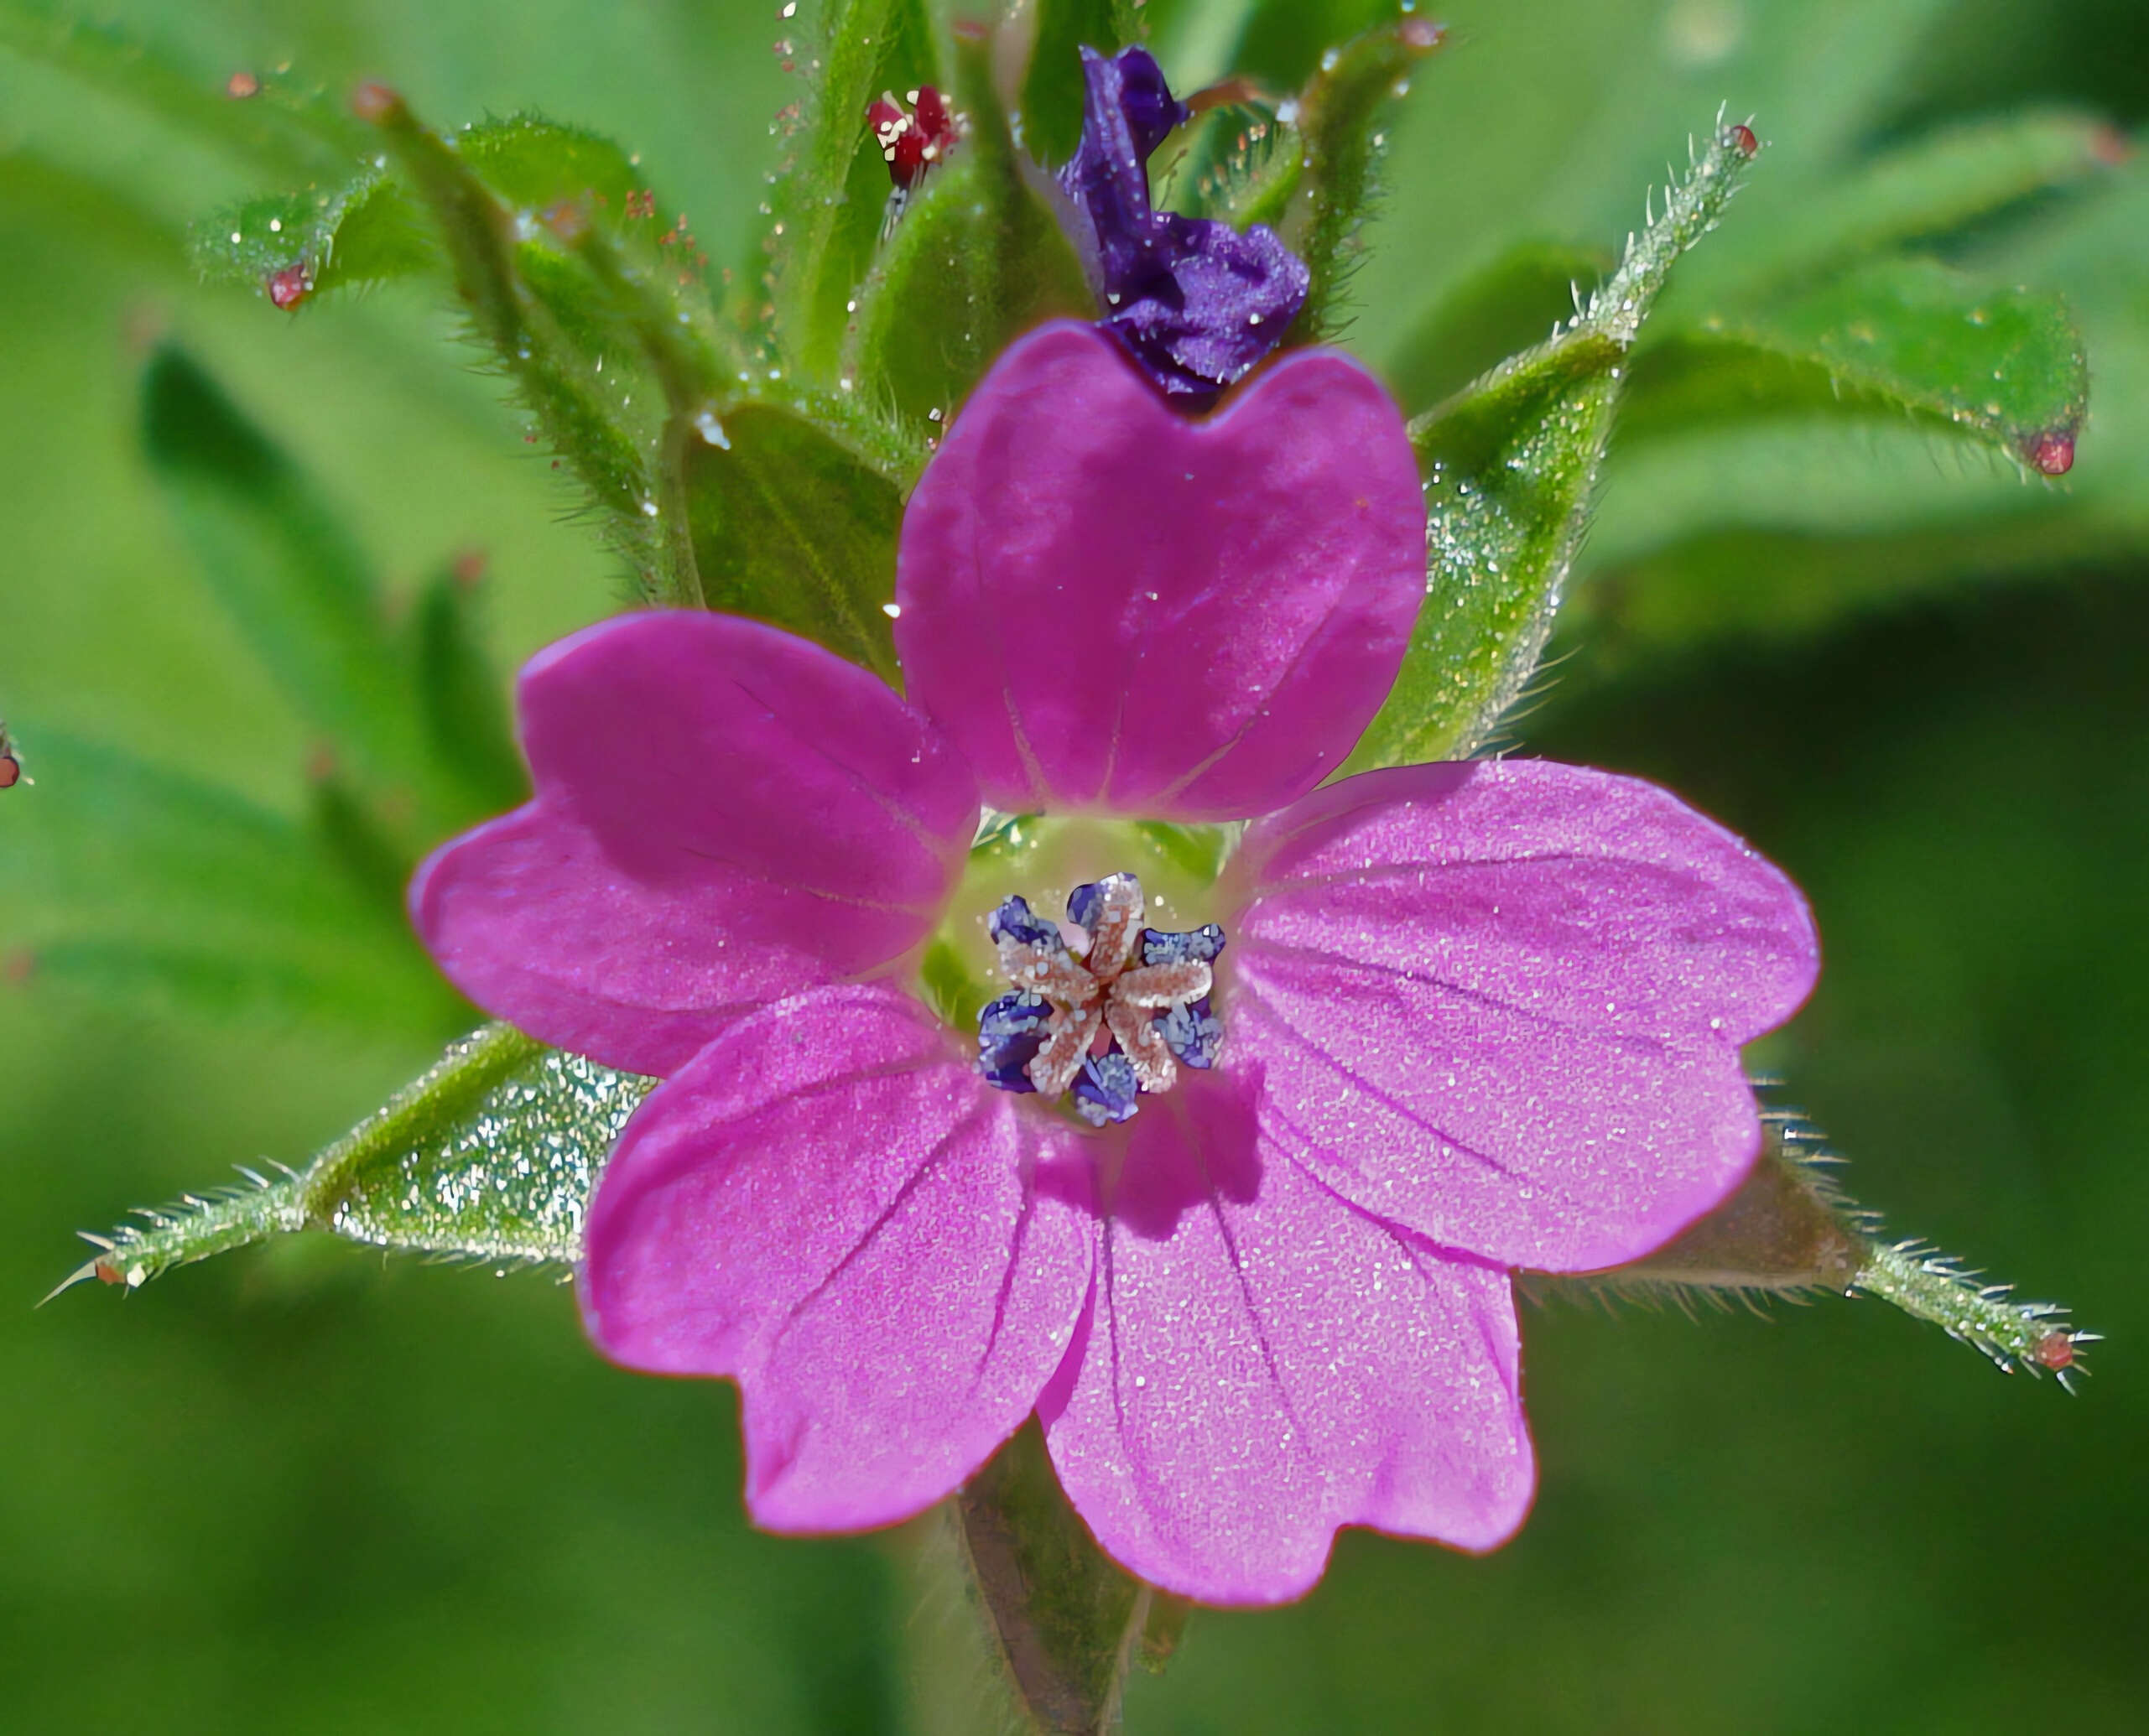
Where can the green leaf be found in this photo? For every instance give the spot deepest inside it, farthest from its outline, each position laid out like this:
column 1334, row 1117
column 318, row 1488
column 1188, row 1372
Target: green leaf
column 1928, row 188
column 1067, row 1620
column 976, row 259
column 1496, row 312
column 140, row 885
column 1335, row 117
column 793, row 527
column 2005, row 365
column 283, row 129
column 492, row 1155
column 1510, row 466
column 283, row 566
column 1788, row 1231
column 299, row 244
column 1052, row 88
column 832, row 192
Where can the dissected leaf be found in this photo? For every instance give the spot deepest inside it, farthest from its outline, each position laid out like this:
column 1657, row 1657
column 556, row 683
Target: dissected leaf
column 281, row 564
column 491, row 1155
column 977, row 258
column 1927, row 188
column 462, row 702
column 281, row 128
column 2007, row 366
column 141, row 885
column 1510, row 466
column 792, row 526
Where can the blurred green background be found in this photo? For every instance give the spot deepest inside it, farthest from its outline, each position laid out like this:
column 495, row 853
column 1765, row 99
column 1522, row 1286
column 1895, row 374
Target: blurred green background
column 301, row 1489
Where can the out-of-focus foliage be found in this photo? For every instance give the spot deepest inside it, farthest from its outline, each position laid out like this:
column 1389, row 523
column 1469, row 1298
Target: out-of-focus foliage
column 302, row 1488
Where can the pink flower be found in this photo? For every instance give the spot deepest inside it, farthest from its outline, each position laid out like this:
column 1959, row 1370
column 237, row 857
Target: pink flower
column 1473, row 1017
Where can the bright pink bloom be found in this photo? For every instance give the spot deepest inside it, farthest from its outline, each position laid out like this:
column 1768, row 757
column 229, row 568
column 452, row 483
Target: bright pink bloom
column 1476, row 1017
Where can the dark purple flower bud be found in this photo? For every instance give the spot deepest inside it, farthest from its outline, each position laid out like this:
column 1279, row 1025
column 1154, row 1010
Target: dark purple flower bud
column 1196, row 303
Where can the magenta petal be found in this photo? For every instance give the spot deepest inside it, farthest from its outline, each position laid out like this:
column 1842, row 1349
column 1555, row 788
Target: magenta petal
column 1109, row 606
column 829, row 1203
column 1502, row 1003
column 1263, row 1363
column 725, row 815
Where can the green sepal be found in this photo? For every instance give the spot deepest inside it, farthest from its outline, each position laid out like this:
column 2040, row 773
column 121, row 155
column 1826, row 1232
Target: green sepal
column 2004, row 367
column 553, row 367
column 1052, row 87
column 792, row 526
column 1336, row 118
column 142, row 885
column 1241, row 166
column 1788, row 1231
column 491, row 1155
column 831, row 192
column 1066, row 1619
column 1510, row 464
column 976, row 258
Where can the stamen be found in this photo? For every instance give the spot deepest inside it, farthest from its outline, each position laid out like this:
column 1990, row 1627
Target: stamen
column 1010, row 1032
column 1064, row 1050
column 1143, row 991
column 1108, row 911
column 1193, row 1033
column 1107, row 1090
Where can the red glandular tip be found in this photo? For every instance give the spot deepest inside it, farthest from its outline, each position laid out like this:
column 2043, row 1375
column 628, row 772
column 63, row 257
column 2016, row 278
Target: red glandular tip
column 912, row 143
column 11, row 771
column 2055, row 1351
column 290, row 286
column 371, row 102
column 1741, row 137
column 239, row 85
column 2051, row 452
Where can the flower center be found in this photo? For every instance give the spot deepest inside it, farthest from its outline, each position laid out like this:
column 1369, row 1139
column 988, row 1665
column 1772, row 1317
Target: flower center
column 1101, row 1008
